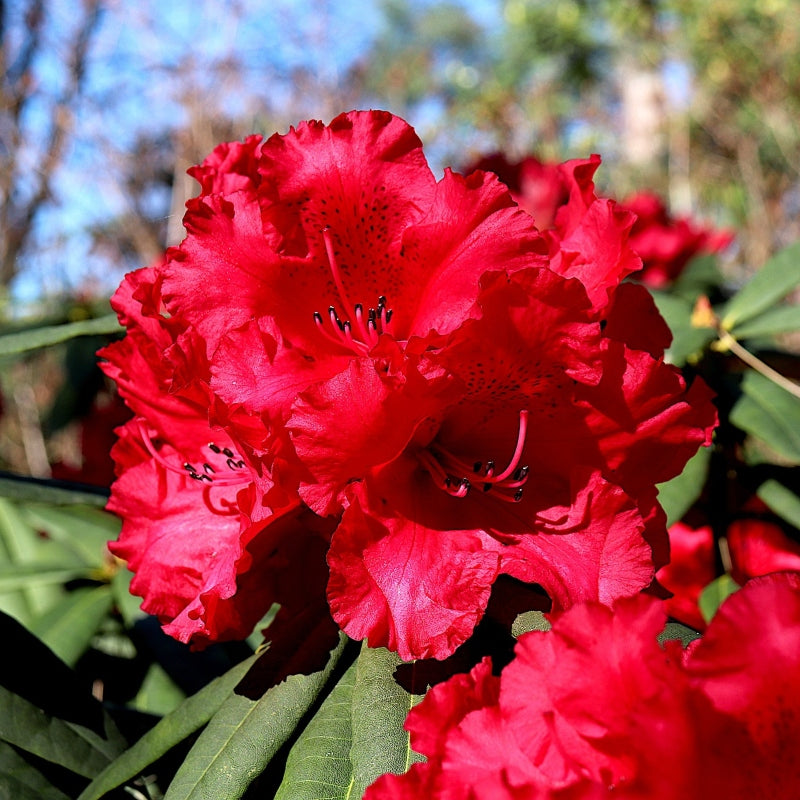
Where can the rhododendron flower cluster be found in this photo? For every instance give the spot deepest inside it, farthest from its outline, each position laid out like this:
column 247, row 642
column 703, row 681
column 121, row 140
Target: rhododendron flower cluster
column 596, row 708
column 360, row 388
column 665, row 243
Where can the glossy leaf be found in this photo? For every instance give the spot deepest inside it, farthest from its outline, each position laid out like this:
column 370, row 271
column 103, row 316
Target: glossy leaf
column 769, row 285
column 129, row 605
column 15, row 343
column 784, row 502
column 771, row 414
column 244, row 735
column 47, row 711
column 319, row 764
column 187, row 718
column 19, row 543
column 68, row 628
column 159, row 694
column 715, row 594
column 380, row 707
column 700, row 276
column 677, row 495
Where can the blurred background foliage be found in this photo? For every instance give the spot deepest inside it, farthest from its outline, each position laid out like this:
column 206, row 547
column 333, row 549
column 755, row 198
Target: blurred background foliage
column 103, row 106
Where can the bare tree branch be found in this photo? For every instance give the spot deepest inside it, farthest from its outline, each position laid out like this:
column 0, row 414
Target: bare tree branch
column 19, row 208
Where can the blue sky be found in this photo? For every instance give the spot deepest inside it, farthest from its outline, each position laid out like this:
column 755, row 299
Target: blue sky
column 132, row 88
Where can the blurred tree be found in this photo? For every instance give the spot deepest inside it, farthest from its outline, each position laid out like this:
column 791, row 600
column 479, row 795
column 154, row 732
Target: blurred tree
column 745, row 139
column 42, row 76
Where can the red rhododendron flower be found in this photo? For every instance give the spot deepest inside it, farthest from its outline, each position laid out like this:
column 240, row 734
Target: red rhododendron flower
column 596, row 708
column 755, row 547
column 758, row 547
column 209, row 558
column 538, row 187
column 404, row 365
column 691, row 568
column 665, row 244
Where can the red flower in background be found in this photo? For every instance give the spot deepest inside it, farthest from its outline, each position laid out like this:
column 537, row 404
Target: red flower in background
column 691, row 568
column 344, row 349
column 97, row 437
column 538, row 187
column 664, row 243
column 596, row 708
column 756, row 547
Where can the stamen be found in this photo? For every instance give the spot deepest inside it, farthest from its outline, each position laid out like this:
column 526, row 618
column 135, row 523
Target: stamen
column 186, row 469
column 364, row 333
column 507, row 485
column 360, row 323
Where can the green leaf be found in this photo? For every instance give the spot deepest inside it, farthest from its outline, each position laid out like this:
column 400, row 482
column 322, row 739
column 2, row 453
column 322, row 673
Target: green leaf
column 784, row 502
column 688, row 342
column 674, row 630
column 23, row 575
column 380, row 707
column 39, row 490
column 187, row 718
column 700, row 276
column 769, row 413
column 21, row 781
column 159, row 694
column 244, row 735
column 777, row 320
column 677, row 495
column 20, row 543
column 318, row 766
column 68, row 628
column 129, row 605
column 712, row 597
column 72, row 746
column 769, row 285
column 57, row 718
column 85, row 530
column 15, row 343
